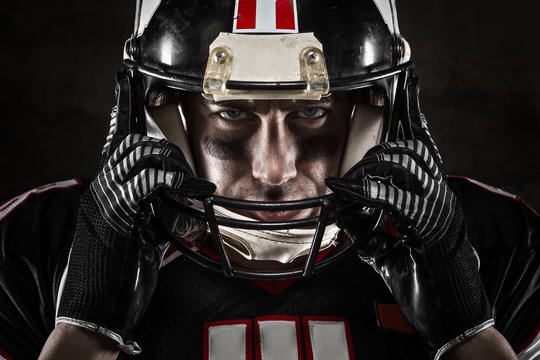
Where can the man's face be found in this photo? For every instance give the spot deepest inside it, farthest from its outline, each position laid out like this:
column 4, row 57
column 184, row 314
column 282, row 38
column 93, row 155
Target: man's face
column 268, row 150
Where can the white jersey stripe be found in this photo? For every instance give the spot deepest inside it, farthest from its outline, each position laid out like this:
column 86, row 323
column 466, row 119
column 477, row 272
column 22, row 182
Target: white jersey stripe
column 278, row 339
column 328, row 340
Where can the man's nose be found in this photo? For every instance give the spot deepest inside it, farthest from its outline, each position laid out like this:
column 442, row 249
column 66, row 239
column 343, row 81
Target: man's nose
column 274, row 157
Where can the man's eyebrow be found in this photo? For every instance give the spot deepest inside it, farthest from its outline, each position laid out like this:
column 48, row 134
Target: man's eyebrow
column 323, row 101
column 206, row 101
column 225, row 103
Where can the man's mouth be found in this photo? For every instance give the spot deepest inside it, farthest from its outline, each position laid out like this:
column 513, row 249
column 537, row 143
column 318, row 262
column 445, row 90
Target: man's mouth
column 275, row 215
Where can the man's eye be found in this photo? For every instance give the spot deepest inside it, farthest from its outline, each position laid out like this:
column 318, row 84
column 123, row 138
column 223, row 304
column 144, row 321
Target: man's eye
column 233, row 114
column 311, row 112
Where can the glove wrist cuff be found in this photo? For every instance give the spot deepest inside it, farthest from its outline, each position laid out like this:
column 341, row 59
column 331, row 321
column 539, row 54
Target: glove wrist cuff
column 129, row 347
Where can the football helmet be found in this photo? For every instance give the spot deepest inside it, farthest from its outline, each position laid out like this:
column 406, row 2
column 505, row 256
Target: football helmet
column 266, row 49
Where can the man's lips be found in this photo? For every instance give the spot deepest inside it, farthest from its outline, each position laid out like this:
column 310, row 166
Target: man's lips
column 274, row 215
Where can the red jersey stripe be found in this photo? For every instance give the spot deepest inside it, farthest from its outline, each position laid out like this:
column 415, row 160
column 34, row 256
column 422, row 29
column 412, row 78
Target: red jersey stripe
column 530, row 339
column 389, row 317
column 4, row 355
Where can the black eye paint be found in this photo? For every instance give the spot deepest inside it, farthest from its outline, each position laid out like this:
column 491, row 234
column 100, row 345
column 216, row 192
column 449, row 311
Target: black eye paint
column 317, row 146
column 225, row 150
column 309, row 149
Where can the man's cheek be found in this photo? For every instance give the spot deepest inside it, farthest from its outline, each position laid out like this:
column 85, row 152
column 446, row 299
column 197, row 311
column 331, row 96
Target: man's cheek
column 316, row 171
column 318, row 147
column 230, row 179
column 227, row 163
column 319, row 156
column 225, row 149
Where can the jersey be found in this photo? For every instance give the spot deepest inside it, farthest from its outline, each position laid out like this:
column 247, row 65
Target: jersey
column 345, row 312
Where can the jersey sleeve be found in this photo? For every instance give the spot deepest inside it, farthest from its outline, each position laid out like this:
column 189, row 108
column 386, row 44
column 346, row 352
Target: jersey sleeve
column 505, row 231
column 35, row 236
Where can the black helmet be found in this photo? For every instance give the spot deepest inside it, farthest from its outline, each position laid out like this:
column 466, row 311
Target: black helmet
column 267, row 49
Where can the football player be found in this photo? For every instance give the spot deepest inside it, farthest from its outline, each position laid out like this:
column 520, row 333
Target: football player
column 269, row 189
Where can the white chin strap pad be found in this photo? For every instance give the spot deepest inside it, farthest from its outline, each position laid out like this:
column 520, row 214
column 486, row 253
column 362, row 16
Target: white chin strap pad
column 165, row 119
column 364, row 133
column 278, row 245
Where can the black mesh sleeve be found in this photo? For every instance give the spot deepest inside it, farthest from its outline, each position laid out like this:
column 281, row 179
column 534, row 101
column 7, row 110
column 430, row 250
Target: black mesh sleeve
column 35, row 237
column 88, row 290
column 454, row 268
column 506, row 234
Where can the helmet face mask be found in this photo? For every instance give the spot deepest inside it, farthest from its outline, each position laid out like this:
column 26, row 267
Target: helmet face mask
column 326, row 49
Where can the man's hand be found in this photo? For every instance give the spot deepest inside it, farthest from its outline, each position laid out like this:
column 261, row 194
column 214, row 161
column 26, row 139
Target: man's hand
column 403, row 178
column 429, row 265
column 118, row 244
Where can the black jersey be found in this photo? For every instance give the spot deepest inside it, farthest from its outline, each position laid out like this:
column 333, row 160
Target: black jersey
column 345, row 312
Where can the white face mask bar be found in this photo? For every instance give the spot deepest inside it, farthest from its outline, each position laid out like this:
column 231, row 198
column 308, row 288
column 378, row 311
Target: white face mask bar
column 288, row 66
column 283, row 246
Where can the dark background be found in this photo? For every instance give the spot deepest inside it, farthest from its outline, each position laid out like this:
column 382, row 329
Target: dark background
column 478, row 62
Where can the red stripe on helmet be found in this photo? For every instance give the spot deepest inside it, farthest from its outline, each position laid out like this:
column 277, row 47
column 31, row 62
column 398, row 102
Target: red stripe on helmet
column 245, row 18
column 285, row 15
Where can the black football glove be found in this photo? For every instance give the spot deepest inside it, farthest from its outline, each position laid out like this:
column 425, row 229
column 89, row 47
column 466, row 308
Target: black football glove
column 430, row 267
column 118, row 246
